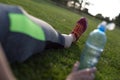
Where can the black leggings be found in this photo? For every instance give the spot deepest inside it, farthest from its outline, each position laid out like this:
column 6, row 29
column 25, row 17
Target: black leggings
column 19, row 46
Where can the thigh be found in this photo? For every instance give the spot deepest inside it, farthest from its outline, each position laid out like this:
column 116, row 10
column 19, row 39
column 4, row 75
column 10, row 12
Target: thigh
column 53, row 38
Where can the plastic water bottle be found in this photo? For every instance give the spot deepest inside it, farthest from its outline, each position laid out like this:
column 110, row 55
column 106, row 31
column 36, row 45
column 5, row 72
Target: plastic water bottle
column 94, row 46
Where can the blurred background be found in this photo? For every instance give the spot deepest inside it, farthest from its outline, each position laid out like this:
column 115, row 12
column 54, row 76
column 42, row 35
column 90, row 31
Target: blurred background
column 62, row 15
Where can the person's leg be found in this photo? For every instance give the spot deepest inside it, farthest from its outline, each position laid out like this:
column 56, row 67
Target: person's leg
column 20, row 37
column 68, row 40
column 79, row 29
column 29, row 35
column 55, row 39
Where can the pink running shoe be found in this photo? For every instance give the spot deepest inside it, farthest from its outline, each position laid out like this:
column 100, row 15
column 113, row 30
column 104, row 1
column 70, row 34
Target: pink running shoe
column 80, row 28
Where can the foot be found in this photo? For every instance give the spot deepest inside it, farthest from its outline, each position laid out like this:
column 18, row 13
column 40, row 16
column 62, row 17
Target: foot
column 79, row 29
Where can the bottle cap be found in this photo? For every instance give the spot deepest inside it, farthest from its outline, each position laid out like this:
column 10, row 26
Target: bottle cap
column 102, row 26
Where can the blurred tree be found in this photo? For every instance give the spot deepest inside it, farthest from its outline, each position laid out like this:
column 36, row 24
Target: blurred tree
column 99, row 16
column 75, row 1
column 107, row 19
column 117, row 20
column 76, row 4
column 85, row 10
column 80, row 2
column 87, row 3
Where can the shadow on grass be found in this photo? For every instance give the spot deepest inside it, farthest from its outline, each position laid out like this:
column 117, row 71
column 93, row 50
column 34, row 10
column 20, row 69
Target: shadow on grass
column 48, row 65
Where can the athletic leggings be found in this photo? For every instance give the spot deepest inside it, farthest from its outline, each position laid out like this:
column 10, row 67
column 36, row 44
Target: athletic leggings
column 22, row 35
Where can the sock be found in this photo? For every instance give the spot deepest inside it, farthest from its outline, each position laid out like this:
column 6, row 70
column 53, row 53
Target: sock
column 68, row 40
column 74, row 38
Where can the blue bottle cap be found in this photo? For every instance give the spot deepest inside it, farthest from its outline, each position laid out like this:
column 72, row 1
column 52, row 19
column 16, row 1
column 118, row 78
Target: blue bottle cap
column 102, row 28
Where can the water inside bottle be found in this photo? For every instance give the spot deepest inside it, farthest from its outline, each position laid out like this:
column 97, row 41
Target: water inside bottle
column 90, row 56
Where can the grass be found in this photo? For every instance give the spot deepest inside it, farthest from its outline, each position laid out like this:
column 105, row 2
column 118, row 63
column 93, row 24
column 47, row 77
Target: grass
column 57, row 64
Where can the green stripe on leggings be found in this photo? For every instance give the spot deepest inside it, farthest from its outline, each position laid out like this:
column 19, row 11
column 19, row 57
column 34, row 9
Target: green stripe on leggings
column 22, row 24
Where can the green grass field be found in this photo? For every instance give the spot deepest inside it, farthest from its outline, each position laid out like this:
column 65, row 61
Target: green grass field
column 57, row 64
